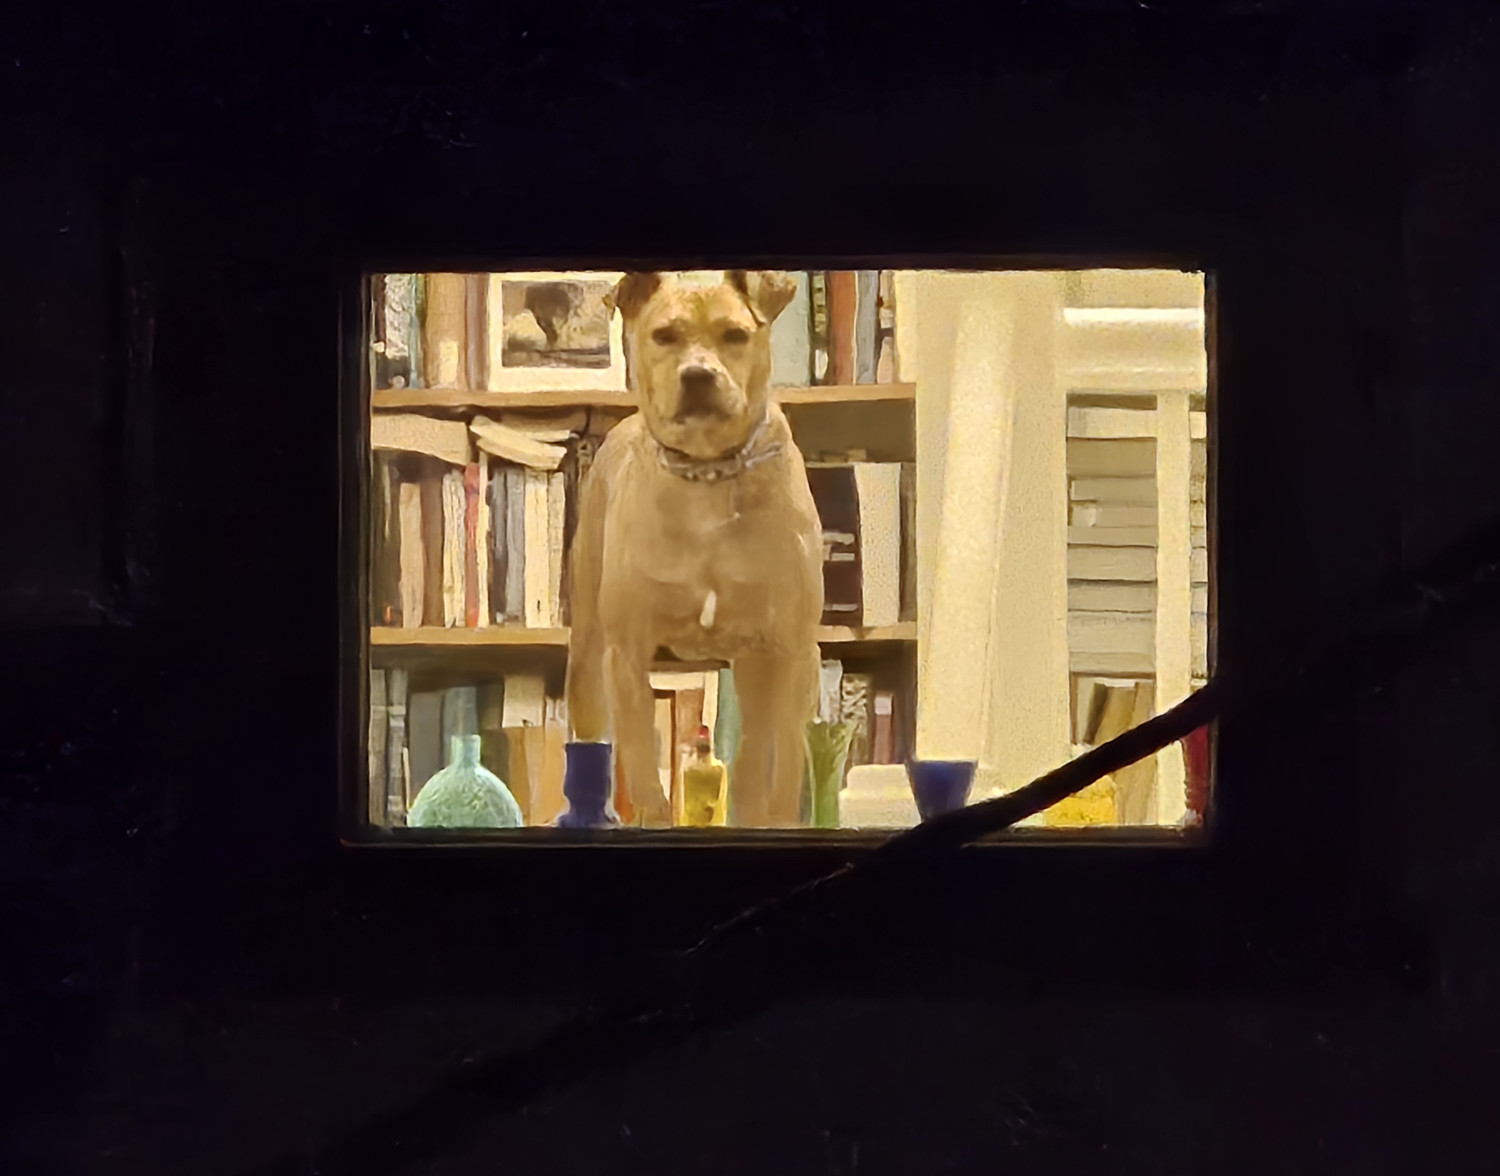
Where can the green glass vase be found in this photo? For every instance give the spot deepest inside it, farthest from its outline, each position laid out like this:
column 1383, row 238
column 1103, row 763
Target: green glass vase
column 827, row 757
column 465, row 794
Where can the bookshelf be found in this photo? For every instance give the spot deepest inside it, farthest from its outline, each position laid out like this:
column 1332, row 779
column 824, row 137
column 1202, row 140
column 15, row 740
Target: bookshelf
column 431, row 636
column 419, row 398
column 438, row 497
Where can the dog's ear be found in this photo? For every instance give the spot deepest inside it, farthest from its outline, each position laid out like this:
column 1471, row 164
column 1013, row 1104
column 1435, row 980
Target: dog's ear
column 768, row 292
column 632, row 292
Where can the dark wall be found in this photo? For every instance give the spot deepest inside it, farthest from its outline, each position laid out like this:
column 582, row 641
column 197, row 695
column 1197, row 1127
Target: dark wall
column 208, row 978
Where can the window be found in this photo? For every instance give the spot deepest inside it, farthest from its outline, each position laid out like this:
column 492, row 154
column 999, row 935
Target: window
column 850, row 519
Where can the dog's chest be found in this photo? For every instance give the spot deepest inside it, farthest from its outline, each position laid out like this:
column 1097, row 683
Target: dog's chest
column 716, row 570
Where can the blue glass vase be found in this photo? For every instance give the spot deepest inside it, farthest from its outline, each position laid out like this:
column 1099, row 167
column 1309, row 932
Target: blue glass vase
column 465, row 794
column 940, row 786
column 588, row 783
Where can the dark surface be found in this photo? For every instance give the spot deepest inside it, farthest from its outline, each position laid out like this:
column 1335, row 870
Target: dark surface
column 198, row 977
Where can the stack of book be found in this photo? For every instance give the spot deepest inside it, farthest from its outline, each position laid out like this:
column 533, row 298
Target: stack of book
column 839, row 329
column 471, row 521
column 522, row 733
column 868, row 514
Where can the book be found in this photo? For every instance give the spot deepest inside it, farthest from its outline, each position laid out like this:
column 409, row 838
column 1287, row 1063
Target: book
column 396, row 758
column 514, row 445
column 414, row 433
column 817, row 319
column 395, row 300
column 883, row 738
column 475, row 289
column 424, row 739
column 857, row 706
column 791, row 357
column 515, row 544
column 520, row 770
column 557, row 525
column 830, row 691
column 885, row 361
column 376, row 747
column 494, row 751
column 524, row 701
column 878, row 486
column 414, row 330
column 385, row 540
column 552, row 428
column 480, row 547
column 538, row 612
column 433, row 530
column 453, row 548
column 836, row 495
column 444, row 332
column 471, row 545
column 411, row 558
column 499, row 543
column 570, row 475
column 866, row 324
column 908, row 541
column 841, row 309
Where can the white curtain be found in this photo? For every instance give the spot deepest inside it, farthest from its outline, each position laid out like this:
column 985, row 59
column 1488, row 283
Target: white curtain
column 991, row 520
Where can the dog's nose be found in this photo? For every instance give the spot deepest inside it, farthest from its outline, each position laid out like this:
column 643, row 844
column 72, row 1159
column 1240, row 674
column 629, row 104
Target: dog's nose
column 698, row 385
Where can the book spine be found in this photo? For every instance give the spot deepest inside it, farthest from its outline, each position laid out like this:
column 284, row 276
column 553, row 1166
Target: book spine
column 482, row 545
column 836, row 496
column 818, row 342
column 471, row 545
column 424, row 739
column 538, row 614
column 377, row 747
column 830, row 684
column 475, row 335
column 884, row 750
column 525, row 701
column 557, row 523
column 791, row 358
column 866, row 324
column 885, row 363
column 453, row 548
column 411, row 555
column 432, row 542
column 515, row 540
column 494, row 751
column 908, row 541
column 398, row 306
column 396, row 761
column 841, row 309
column 856, row 705
column 414, row 330
column 445, row 350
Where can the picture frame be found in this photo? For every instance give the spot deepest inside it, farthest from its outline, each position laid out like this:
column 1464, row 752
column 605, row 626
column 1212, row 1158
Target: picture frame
column 552, row 330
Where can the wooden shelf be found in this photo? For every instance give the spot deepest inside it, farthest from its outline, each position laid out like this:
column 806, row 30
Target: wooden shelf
column 457, row 398
column 513, row 635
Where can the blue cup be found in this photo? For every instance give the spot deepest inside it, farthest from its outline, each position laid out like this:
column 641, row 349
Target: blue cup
column 940, row 786
column 588, row 784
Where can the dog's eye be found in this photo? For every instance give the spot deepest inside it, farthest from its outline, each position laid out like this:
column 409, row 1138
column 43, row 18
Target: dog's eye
column 736, row 335
column 666, row 336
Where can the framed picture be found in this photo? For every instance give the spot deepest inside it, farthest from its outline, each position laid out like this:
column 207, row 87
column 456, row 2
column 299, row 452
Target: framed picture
column 554, row 331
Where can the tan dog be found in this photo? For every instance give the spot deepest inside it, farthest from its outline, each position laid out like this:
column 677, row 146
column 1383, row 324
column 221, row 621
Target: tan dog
column 697, row 532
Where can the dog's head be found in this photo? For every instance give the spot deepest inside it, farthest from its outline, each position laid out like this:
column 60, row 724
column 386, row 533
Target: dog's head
column 700, row 354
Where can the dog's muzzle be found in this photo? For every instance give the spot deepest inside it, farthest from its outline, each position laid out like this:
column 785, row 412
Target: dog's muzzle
column 699, row 395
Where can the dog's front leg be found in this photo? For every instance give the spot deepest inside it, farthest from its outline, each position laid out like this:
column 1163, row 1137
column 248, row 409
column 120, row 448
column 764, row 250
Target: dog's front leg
column 778, row 696
column 632, row 709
